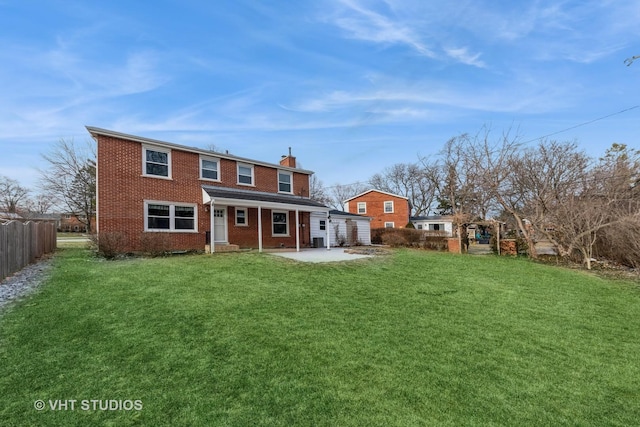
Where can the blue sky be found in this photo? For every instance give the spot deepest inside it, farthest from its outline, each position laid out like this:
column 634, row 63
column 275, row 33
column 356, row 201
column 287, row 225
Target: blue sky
column 352, row 86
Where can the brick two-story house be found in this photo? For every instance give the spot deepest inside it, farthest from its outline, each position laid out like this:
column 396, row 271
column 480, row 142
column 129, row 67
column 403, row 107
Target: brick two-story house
column 385, row 209
column 200, row 199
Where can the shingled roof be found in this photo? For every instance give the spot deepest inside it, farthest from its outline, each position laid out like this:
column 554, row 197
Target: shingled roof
column 261, row 198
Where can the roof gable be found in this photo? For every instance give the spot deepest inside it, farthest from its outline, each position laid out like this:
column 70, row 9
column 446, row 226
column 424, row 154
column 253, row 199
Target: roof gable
column 376, row 191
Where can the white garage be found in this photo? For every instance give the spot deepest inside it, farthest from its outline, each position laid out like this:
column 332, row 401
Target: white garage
column 344, row 229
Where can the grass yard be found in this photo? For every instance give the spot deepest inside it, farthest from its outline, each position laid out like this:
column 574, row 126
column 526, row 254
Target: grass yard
column 415, row 338
column 73, row 240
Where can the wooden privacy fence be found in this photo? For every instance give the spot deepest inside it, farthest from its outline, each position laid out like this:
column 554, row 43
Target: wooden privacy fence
column 23, row 243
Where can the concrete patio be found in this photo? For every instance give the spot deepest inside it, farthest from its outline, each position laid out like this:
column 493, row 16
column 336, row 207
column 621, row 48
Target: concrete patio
column 319, row 255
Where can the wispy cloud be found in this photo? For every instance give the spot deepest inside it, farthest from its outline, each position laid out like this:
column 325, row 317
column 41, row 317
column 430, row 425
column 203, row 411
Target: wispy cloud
column 543, row 30
column 365, row 24
column 462, row 55
column 548, row 30
column 428, row 97
column 393, row 25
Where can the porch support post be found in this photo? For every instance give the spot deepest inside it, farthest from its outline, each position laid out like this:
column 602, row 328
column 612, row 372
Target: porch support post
column 259, row 228
column 212, row 245
column 297, row 230
column 328, row 226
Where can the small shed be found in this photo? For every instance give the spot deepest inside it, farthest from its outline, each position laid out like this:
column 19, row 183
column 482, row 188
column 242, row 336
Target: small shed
column 344, row 229
column 443, row 223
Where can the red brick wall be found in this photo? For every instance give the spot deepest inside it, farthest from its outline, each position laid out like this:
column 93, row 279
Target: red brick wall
column 375, row 209
column 247, row 236
column 122, row 191
column 453, row 245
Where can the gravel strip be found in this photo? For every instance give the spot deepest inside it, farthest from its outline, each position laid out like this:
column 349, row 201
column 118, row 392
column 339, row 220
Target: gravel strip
column 24, row 282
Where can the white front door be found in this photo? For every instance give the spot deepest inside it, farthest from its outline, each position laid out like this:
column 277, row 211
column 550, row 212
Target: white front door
column 220, row 225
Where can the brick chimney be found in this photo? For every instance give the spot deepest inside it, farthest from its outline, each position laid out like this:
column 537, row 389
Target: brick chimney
column 288, row 161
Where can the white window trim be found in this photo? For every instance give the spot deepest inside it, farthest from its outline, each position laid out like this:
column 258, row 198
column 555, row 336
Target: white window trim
column 364, row 205
column 393, row 224
column 209, row 159
column 384, row 206
column 290, row 181
column 246, row 217
column 287, row 224
column 144, row 161
column 172, row 217
column 253, row 175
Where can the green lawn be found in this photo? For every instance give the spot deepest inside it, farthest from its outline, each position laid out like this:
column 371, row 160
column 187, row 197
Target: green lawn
column 416, row 338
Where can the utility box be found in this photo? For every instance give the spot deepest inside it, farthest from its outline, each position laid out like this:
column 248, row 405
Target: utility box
column 318, row 242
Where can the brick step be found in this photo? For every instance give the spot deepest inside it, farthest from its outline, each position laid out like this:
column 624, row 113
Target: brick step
column 223, row 248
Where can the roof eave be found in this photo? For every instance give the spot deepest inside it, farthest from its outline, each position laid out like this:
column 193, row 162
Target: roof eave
column 247, row 203
column 149, row 141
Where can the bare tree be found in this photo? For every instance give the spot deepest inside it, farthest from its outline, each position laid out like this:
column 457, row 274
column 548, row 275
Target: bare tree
column 340, row 193
column 408, row 180
column 71, row 178
column 454, row 176
column 578, row 220
column 41, row 203
column 12, row 194
column 501, row 172
column 317, row 191
column 618, row 177
column 552, row 174
column 606, row 200
column 551, row 191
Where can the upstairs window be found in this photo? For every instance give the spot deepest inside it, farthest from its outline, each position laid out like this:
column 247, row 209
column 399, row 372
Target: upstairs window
column 209, row 168
column 388, row 207
column 362, row 207
column 245, row 174
column 156, row 162
column 285, row 180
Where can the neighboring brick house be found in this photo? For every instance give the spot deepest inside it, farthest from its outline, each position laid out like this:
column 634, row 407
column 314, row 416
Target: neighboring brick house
column 386, row 210
column 148, row 188
column 70, row 222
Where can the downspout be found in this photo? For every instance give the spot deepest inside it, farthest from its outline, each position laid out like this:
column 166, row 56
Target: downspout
column 327, row 230
column 212, row 225
column 259, row 228
column 297, row 230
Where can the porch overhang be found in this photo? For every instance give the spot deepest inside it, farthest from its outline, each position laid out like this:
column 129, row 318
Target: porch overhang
column 260, row 200
column 254, row 199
